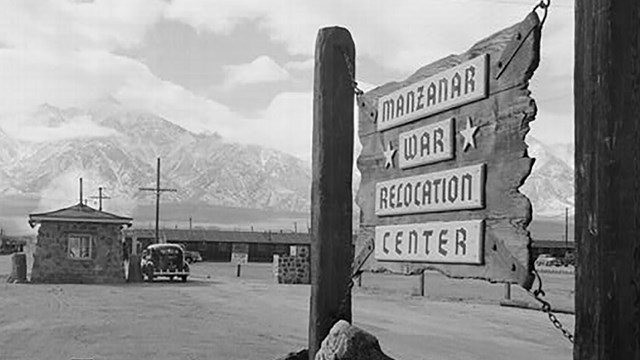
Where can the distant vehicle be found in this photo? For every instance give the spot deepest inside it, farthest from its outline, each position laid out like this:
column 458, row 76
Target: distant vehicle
column 166, row 260
column 547, row 260
column 10, row 246
column 569, row 259
column 192, row 256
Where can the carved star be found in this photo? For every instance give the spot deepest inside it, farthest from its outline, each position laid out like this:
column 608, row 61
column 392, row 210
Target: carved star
column 469, row 135
column 388, row 156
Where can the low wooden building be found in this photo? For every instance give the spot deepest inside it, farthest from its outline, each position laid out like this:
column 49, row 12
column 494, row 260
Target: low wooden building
column 78, row 244
column 219, row 245
column 552, row 247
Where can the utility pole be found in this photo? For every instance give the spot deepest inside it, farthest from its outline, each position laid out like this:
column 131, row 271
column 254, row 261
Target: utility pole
column 158, row 191
column 100, row 197
column 81, row 199
column 331, row 197
column 607, row 220
column 566, row 230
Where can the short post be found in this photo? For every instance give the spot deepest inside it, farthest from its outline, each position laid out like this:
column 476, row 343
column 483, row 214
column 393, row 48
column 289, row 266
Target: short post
column 331, row 197
column 135, row 271
column 422, row 281
column 238, row 270
column 360, row 280
column 18, row 268
column 507, row 291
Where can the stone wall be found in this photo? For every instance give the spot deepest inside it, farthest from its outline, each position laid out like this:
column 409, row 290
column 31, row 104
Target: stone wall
column 293, row 268
column 51, row 263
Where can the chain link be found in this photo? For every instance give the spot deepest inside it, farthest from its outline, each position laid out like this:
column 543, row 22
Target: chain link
column 352, row 76
column 546, row 308
column 373, row 113
column 346, row 296
column 545, row 7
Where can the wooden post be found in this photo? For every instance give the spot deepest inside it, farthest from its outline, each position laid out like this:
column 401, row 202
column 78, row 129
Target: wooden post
column 238, row 270
column 18, row 268
column 331, row 198
column 507, row 291
column 607, row 157
column 422, row 281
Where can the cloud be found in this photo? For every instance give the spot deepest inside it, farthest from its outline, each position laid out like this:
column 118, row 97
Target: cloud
column 63, row 53
column 77, row 127
column 219, row 16
column 403, row 36
column 306, row 65
column 60, row 25
column 286, row 125
column 261, row 70
column 84, row 77
column 398, row 35
column 63, row 191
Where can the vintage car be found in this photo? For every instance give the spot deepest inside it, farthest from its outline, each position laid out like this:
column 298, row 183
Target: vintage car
column 165, row 260
column 192, row 256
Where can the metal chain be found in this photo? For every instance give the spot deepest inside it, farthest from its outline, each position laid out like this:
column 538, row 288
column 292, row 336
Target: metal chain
column 545, row 7
column 373, row 113
column 352, row 76
column 347, row 295
column 546, row 308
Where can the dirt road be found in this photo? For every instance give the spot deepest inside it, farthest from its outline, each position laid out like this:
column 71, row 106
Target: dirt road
column 223, row 317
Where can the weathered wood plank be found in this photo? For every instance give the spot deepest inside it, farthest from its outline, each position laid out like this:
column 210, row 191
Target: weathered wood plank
column 502, row 122
column 607, row 138
column 331, row 194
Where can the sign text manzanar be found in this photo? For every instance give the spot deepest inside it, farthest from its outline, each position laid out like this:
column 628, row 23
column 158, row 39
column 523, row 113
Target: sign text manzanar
column 457, row 86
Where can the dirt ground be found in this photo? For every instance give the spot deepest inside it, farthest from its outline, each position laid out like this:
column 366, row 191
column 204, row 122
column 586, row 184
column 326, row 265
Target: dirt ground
column 218, row 316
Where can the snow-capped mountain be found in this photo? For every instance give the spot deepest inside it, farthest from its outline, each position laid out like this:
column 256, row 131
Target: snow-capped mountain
column 121, row 157
column 550, row 187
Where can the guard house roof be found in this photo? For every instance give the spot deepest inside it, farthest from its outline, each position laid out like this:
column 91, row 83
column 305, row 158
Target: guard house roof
column 202, row 235
column 79, row 213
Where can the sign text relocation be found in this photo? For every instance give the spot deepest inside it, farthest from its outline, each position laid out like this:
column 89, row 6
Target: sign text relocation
column 455, row 189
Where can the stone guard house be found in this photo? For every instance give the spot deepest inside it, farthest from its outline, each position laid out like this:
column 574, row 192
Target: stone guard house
column 78, row 244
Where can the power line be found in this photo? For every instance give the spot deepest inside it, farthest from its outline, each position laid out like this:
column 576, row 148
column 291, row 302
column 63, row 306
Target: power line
column 158, row 191
column 100, row 197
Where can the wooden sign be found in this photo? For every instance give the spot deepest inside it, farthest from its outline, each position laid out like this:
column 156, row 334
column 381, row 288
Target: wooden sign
column 239, row 258
column 437, row 242
column 442, row 162
column 453, row 87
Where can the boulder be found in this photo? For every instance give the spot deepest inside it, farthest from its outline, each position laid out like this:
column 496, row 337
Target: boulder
column 347, row 342
column 300, row 355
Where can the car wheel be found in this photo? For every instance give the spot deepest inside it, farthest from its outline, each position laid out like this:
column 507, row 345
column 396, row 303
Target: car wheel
column 184, row 278
column 170, row 278
column 189, row 260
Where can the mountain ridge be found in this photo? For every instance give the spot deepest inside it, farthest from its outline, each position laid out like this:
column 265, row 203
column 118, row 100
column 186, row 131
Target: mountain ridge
column 121, row 154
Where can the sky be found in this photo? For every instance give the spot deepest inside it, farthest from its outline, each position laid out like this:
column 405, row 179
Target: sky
column 244, row 68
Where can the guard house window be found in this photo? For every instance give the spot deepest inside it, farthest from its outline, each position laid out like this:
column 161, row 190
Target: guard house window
column 79, row 247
